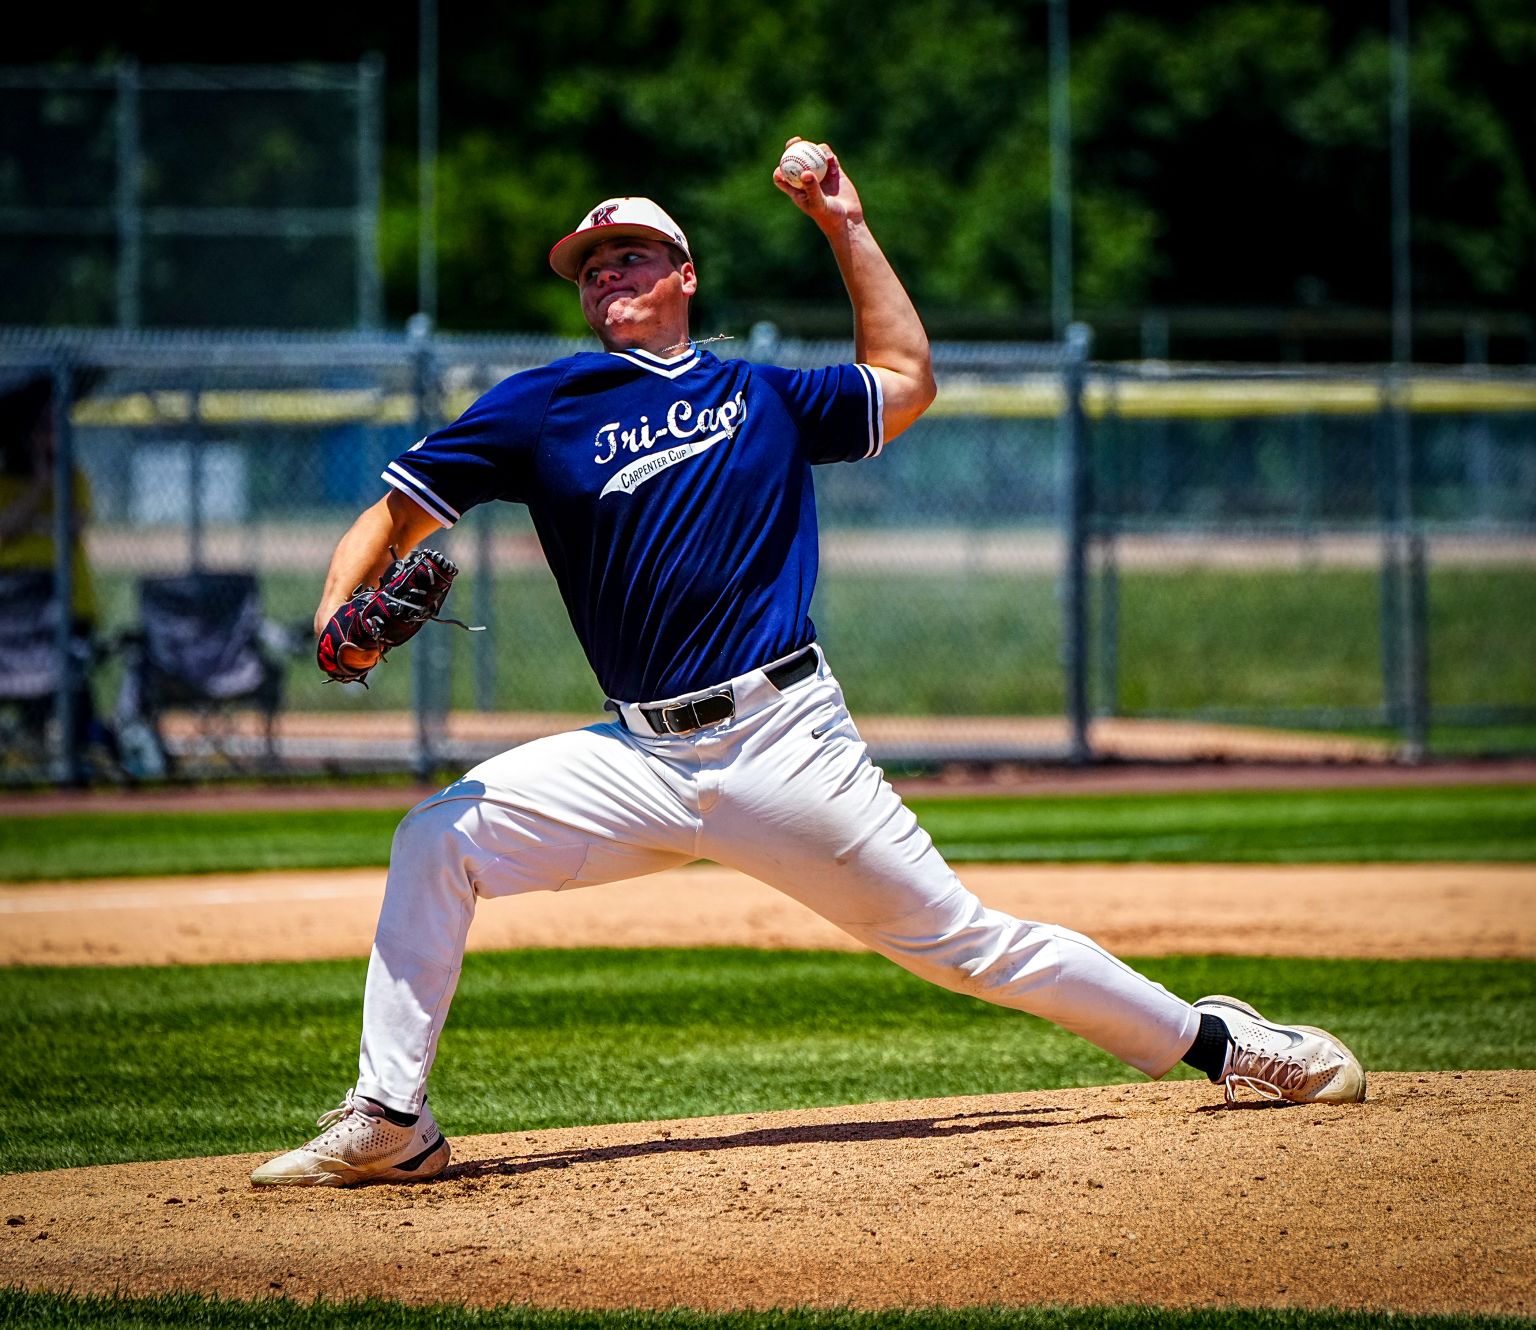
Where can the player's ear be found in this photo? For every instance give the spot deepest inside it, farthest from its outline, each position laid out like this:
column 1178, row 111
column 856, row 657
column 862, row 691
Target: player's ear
column 690, row 277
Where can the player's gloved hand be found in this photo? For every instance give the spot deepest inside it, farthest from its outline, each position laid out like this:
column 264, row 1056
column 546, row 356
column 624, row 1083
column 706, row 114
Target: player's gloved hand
column 362, row 632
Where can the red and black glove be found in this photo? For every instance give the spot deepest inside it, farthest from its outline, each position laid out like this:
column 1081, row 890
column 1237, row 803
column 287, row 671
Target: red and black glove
column 378, row 618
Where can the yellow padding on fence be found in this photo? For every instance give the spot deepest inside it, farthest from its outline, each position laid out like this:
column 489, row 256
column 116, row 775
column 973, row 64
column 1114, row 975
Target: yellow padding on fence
column 1224, row 399
column 1037, row 398
column 299, row 406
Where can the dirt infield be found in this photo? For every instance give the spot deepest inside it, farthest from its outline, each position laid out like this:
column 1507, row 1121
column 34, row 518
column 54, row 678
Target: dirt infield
column 1422, row 1199
column 1386, row 910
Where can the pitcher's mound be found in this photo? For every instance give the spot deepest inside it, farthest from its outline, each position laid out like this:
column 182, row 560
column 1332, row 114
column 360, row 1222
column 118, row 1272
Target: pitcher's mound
column 1422, row 1199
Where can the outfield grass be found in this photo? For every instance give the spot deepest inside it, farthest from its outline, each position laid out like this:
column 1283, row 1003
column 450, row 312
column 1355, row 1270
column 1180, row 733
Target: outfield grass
column 220, row 1059
column 1465, row 823
column 1312, row 637
column 50, row 1311
column 1263, row 826
column 906, row 641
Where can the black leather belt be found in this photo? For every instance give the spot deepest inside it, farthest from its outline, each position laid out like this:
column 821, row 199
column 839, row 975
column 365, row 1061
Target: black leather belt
column 714, row 708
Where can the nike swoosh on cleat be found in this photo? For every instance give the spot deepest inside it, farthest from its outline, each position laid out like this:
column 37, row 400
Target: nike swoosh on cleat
column 412, row 1164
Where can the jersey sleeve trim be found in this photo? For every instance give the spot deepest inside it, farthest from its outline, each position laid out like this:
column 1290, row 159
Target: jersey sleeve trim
column 876, row 416
column 411, row 487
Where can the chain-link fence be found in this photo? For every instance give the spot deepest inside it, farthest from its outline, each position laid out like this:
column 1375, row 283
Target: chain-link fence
column 1323, row 551
column 1054, row 563
column 191, row 196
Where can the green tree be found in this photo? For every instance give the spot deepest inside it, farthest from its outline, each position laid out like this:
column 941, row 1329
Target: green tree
column 1228, row 152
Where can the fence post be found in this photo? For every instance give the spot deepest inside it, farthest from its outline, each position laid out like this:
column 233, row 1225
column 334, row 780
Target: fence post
column 1104, row 503
column 429, row 668
column 1390, row 586
column 196, row 477
column 1074, row 599
column 1416, row 647
column 1413, row 656
column 66, row 696
column 1404, row 590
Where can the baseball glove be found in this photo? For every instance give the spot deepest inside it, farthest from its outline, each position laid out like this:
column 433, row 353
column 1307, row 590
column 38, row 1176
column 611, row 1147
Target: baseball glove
column 381, row 617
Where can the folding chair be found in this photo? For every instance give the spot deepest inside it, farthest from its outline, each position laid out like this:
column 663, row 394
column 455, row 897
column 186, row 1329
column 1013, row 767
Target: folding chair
column 202, row 646
column 29, row 669
column 29, row 685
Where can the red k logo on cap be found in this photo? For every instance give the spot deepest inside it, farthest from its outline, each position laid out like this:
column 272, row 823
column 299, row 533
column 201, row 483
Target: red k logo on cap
column 616, row 219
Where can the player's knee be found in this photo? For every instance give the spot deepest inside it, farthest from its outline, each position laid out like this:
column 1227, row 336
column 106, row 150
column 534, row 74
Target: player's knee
column 959, row 977
column 431, row 836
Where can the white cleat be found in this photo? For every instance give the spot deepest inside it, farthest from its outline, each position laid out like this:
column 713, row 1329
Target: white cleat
column 1299, row 1063
column 359, row 1145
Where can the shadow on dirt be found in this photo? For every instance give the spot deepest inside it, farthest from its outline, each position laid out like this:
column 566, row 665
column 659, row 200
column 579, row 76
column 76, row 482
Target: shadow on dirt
column 902, row 1129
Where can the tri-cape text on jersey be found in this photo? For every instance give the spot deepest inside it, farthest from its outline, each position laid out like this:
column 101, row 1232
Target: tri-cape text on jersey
column 693, row 429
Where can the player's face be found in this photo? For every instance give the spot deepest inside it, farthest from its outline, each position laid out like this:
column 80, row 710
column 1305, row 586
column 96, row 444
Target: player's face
column 634, row 289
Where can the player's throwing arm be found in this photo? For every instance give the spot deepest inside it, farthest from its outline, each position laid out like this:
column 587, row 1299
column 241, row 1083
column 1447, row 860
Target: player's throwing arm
column 888, row 335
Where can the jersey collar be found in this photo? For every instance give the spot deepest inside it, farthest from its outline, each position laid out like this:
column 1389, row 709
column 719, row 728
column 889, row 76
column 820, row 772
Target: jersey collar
column 667, row 367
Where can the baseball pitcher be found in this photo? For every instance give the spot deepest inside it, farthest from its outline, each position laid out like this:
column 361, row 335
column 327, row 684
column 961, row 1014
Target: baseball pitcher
column 672, row 493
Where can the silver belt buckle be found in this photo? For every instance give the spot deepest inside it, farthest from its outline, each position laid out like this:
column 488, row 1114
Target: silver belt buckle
column 686, row 717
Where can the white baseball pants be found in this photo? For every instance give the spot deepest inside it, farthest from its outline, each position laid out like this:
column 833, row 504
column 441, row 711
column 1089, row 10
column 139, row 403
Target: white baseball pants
column 784, row 791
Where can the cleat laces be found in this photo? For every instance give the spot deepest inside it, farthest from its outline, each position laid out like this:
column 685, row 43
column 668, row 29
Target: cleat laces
column 1268, row 1075
column 334, row 1117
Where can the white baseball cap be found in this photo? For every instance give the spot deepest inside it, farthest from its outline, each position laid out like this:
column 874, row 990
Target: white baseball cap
column 614, row 219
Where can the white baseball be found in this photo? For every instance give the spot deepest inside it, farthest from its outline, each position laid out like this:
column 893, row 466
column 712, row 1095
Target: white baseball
column 801, row 157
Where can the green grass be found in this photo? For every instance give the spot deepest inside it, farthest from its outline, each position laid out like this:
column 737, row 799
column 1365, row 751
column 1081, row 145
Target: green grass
column 148, row 844
column 1456, row 823
column 49, row 1311
column 988, row 643
column 1313, row 638
column 221, row 1059
column 1265, row 826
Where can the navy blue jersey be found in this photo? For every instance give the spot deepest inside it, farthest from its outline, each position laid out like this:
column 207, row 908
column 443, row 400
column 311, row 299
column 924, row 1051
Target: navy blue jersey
column 672, row 497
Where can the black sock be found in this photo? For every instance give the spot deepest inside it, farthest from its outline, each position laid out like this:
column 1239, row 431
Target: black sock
column 404, row 1119
column 1209, row 1051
